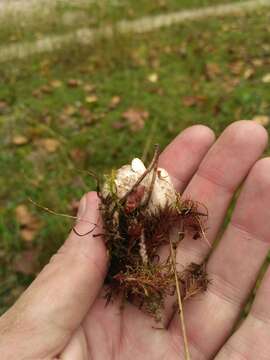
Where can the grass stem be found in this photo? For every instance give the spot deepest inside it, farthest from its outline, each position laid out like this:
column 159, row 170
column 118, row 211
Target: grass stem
column 180, row 304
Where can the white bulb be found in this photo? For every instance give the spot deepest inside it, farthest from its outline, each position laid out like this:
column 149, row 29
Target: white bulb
column 163, row 192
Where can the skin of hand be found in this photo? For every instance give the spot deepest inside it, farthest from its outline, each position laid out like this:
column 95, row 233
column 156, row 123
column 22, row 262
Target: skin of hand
column 62, row 314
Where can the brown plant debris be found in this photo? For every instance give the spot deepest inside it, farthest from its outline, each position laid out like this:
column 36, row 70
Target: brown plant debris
column 140, row 211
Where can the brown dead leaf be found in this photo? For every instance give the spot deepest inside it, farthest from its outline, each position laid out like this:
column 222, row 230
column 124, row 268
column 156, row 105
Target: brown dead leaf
column 78, row 155
column 135, row 118
column 236, row 67
column 49, row 144
column 19, row 140
column 37, row 93
column 262, row 119
column 212, row 70
column 43, row 90
column 26, row 262
column 23, row 215
column 115, row 101
column 229, row 83
column 156, row 90
column 29, row 223
column 73, row 83
column 118, row 125
column 86, row 115
column 69, row 110
column 46, row 89
column 196, row 100
column 3, row 106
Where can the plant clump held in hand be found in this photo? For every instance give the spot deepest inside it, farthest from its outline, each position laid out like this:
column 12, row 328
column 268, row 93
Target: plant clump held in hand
column 140, row 211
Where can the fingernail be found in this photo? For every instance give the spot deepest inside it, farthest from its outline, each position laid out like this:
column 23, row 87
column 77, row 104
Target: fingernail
column 82, row 207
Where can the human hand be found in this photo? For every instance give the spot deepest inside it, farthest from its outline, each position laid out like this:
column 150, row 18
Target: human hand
column 62, row 314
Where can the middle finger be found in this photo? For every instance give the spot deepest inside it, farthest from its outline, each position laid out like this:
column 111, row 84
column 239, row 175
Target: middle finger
column 219, row 175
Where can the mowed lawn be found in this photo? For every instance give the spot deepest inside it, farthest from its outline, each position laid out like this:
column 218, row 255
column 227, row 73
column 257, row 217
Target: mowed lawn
column 96, row 108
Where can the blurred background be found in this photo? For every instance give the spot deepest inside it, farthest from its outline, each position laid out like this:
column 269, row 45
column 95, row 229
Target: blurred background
column 88, row 85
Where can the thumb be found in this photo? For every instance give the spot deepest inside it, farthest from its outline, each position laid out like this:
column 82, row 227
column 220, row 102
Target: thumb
column 56, row 302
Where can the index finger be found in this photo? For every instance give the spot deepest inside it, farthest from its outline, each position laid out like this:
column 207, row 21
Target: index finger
column 182, row 157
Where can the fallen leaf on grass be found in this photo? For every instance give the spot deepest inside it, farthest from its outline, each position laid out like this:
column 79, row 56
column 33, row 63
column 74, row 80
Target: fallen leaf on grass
column 28, row 235
column 236, row 67
column 46, row 89
column 78, row 155
column 86, row 115
column 118, row 125
column 266, row 78
column 156, row 90
column 26, row 262
column 23, row 215
column 91, row 99
column 249, row 72
column 212, row 70
column 3, row 106
column 153, row 78
column 19, row 140
column 73, row 83
column 56, row 84
column 262, row 119
column 48, row 144
column 37, row 93
column 89, row 88
column 196, row 100
column 115, row 101
column 135, row 118
column 69, row 110
column 257, row 62
column 229, row 83
column 29, row 223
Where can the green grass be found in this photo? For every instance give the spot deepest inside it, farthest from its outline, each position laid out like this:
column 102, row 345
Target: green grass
column 180, row 56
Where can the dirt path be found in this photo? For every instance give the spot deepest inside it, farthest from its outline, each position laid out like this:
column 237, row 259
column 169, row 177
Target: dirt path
column 25, row 7
column 86, row 36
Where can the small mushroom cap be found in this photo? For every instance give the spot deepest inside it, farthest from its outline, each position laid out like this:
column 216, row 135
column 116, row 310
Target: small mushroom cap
column 163, row 192
column 138, row 166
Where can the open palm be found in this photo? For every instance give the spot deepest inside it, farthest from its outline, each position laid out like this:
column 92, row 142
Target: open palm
column 62, row 314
